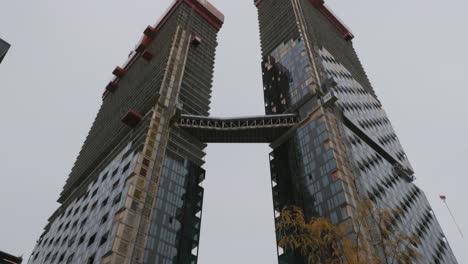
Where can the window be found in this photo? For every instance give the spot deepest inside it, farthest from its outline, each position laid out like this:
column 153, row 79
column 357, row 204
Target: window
column 104, row 203
column 127, row 154
column 115, row 172
column 94, row 193
column 137, row 194
column 84, row 208
column 82, row 238
column 104, row 176
column 334, row 218
column 71, row 241
column 90, row 260
column 91, row 239
column 83, row 222
column 104, row 239
column 117, row 198
column 76, row 211
column 64, row 240
column 116, row 183
column 70, row 259
column 125, row 168
column 143, row 171
column 104, row 218
column 62, row 257
column 134, row 205
column 94, row 205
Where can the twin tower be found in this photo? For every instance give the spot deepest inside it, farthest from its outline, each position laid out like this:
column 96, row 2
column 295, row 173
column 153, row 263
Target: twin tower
column 134, row 194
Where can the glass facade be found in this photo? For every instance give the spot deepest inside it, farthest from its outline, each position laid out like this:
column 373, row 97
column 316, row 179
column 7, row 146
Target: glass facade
column 290, row 71
column 327, row 166
column 177, row 214
column 361, row 106
column 323, row 191
column 85, row 230
column 377, row 177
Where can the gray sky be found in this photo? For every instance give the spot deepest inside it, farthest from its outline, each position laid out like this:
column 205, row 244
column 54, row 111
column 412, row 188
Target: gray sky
column 62, row 56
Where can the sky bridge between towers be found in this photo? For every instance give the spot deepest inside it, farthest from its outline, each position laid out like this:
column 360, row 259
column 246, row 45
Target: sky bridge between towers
column 254, row 129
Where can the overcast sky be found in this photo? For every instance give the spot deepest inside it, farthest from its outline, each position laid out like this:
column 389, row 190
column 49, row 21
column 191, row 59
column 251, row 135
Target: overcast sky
column 62, row 56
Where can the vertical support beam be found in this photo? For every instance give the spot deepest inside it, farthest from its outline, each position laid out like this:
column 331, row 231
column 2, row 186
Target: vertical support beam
column 309, row 42
column 133, row 222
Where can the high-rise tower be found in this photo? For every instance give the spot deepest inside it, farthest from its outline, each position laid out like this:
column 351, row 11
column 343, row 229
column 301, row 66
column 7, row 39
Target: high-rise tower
column 344, row 150
column 134, row 193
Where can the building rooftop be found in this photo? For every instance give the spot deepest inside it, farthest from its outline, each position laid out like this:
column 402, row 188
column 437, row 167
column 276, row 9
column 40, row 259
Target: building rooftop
column 203, row 6
column 213, row 10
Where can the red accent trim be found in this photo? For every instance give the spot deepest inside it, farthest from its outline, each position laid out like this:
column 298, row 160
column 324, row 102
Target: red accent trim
column 152, row 32
column 119, row 72
column 132, row 118
column 210, row 17
column 149, row 31
column 443, row 197
column 348, row 36
column 143, row 44
column 319, row 4
column 132, row 60
column 105, row 94
column 141, row 47
column 214, row 19
column 112, row 86
column 334, row 20
column 166, row 16
column 205, row 13
column 147, row 55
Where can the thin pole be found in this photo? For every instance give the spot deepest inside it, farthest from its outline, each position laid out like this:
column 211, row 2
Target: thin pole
column 453, row 218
